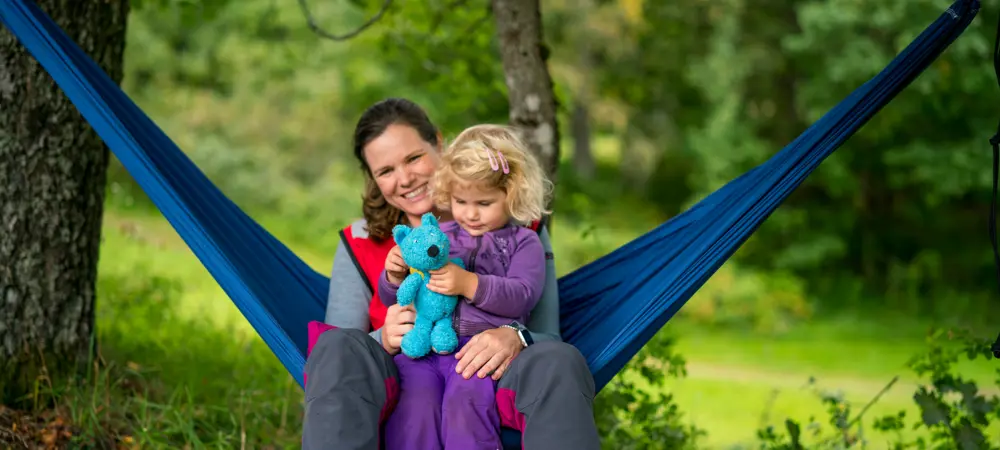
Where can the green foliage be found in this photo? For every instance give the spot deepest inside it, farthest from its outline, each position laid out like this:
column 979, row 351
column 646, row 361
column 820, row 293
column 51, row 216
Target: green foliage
column 954, row 412
column 442, row 54
column 762, row 301
column 880, row 202
column 634, row 411
column 161, row 380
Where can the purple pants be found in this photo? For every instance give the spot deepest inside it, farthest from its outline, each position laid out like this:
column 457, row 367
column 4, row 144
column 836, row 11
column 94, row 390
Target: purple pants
column 438, row 409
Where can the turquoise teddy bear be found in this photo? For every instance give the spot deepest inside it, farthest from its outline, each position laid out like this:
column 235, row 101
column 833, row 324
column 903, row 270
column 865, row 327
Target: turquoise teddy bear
column 425, row 248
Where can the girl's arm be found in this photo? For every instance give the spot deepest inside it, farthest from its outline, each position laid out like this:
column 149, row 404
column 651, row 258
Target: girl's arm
column 517, row 293
column 386, row 289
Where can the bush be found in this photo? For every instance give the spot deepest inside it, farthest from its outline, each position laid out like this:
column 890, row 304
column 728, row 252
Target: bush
column 634, row 412
column 736, row 296
column 955, row 414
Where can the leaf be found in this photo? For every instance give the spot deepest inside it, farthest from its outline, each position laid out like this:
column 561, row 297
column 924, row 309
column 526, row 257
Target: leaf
column 933, row 412
column 794, row 433
column 969, row 437
column 976, row 405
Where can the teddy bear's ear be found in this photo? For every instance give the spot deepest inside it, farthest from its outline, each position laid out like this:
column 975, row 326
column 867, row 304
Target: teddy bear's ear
column 399, row 232
column 428, row 219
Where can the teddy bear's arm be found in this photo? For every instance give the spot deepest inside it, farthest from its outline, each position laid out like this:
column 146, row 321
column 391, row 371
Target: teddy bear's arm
column 407, row 292
column 458, row 262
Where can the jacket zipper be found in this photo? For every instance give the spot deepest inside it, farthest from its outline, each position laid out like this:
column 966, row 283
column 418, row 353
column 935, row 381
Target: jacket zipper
column 470, row 268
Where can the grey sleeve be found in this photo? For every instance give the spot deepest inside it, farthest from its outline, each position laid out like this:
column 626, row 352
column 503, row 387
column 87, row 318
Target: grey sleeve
column 544, row 321
column 348, row 298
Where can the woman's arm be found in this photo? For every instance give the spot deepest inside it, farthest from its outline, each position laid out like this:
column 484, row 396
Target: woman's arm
column 544, row 321
column 349, row 296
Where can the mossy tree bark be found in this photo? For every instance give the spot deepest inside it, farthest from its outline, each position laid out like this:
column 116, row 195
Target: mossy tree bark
column 529, row 85
column 53, row 170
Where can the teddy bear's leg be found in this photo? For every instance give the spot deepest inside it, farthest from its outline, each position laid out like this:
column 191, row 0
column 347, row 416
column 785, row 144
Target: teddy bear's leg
column 443, row 337
column 417, row 342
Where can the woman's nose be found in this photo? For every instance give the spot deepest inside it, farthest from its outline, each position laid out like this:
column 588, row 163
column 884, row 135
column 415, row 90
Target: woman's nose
column 406, row 177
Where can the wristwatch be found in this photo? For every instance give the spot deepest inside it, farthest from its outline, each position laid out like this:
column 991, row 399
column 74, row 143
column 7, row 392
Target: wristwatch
column 522, row 333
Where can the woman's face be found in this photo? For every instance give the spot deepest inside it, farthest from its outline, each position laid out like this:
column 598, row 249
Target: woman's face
column 402, row 164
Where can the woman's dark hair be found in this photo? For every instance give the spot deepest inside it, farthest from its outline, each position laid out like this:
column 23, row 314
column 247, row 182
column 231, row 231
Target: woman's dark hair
column 380, row 215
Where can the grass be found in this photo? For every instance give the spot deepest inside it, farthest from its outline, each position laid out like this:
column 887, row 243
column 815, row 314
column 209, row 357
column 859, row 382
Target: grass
column 180, row 367
column 738, row 383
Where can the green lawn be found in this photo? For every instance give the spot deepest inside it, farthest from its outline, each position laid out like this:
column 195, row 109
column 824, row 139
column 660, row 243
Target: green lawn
column 738, row 383
column 206, row 373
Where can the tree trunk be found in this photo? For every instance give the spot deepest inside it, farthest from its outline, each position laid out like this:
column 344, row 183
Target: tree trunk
column 529, row 85
column 53, row 168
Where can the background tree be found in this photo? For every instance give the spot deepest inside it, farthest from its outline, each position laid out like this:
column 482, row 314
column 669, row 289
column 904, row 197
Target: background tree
column 52, row 178
column 448, row 50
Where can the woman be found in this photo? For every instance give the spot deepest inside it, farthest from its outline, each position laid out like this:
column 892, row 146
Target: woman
column 545, row 388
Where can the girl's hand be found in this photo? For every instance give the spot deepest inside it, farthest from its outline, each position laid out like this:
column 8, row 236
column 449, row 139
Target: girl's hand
column 453, row 280
column 395, row 268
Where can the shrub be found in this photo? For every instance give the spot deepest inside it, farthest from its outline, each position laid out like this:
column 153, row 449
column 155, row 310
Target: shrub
column 634, row 411
column 954, row 413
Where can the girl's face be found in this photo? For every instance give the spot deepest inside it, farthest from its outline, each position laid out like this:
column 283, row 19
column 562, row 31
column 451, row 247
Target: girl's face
column 402, row 164
column 478, row 209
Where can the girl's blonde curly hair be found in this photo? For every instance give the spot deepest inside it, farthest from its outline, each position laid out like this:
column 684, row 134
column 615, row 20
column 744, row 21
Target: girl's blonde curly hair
column 471, row 158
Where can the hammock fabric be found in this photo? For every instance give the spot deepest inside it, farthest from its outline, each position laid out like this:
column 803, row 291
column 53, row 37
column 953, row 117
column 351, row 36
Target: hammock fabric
column 609, row 308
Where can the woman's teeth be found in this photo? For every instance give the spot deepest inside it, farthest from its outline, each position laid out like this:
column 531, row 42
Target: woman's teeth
column 416, row 192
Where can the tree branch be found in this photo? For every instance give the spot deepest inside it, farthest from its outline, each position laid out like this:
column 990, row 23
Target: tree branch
column 343, row 37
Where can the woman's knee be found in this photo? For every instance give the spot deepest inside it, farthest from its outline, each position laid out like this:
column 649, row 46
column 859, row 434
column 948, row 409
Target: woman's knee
column 346, row 341
column 556, row 353
column 339, row 345
column 554, row 363
column 343, row 337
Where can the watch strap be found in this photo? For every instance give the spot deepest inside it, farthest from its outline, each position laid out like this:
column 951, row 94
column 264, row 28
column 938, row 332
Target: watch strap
column 522, row 333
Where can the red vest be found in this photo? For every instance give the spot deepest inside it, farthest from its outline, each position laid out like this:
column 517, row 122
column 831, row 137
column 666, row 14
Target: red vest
column 369, row 256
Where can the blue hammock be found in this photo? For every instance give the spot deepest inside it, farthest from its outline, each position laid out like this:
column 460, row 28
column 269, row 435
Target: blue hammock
column 609, row 308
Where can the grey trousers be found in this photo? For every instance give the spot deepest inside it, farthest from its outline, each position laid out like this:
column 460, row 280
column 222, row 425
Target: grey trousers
column 350, row 391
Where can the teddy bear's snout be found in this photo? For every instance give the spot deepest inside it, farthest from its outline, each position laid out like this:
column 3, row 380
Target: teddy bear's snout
column 433, row 251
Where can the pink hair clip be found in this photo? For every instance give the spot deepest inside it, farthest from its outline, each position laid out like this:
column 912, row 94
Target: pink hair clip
column 495, row 163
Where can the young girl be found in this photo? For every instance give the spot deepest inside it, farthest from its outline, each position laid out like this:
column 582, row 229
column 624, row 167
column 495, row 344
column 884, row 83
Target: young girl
column 492, row 186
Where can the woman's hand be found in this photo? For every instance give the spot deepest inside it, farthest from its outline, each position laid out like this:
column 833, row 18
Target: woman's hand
column 488, row 352
column 395, row 268
column 398, row 321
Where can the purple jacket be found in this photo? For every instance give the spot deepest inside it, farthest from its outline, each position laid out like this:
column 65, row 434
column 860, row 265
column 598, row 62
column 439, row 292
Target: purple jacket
column 510, row 263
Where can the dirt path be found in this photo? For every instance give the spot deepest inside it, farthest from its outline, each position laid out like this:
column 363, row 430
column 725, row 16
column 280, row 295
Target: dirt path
column 785, row 380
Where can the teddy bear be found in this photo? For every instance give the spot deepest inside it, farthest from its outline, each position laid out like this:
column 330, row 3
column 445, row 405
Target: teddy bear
column 425, row 248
